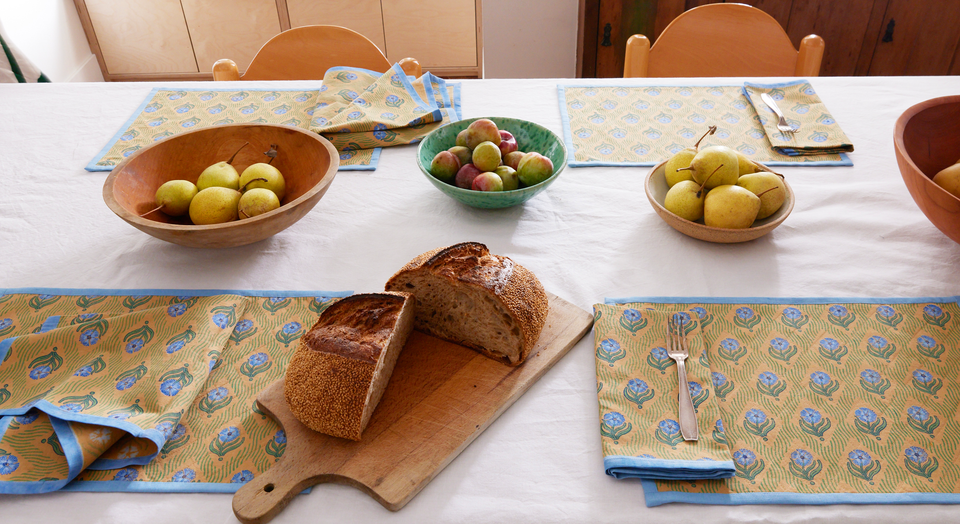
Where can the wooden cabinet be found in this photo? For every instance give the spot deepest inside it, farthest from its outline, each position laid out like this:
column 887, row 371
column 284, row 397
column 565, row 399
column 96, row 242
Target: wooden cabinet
column 181, row 39
column 863, row 37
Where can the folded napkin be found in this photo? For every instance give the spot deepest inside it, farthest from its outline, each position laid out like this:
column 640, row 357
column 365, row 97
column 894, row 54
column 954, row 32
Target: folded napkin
column 817, row 131
column 637, row 387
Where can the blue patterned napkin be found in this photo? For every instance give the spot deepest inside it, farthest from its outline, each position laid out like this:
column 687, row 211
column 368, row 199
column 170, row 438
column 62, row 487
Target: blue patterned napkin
column 817, row 131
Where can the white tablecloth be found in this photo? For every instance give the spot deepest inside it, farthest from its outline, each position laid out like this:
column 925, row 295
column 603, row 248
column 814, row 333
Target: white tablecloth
column 855, row 232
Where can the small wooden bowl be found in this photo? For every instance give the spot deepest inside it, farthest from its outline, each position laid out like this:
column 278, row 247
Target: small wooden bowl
column 307, row 161
column 656, row 189
column 926, row 139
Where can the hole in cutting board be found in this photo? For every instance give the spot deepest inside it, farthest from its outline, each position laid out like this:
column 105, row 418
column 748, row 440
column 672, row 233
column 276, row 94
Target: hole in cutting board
column 268, row 488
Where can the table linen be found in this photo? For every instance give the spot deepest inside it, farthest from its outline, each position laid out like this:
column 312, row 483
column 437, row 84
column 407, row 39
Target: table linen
column 816, row 131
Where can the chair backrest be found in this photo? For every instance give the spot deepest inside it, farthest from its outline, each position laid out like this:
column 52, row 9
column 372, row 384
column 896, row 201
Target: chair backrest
column 723, row 40
column 305, row 53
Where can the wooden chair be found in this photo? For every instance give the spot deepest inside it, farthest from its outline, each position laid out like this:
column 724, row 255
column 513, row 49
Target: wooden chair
column 722, row 40
column 305, row 53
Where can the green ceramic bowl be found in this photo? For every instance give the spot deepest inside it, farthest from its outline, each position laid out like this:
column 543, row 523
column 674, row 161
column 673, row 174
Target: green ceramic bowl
column 530, row 137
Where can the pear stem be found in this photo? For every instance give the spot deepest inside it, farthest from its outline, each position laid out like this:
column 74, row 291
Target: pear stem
column 708, row 178
column 158, row 208
column 710, row 131
column 272, row 153
column 238, row 152
column 244, row 188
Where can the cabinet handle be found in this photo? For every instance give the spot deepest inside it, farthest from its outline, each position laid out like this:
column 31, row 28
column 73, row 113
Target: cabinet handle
column 888, row 34
column 606, row 35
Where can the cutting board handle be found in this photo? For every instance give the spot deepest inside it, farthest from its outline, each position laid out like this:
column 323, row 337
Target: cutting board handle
column 259, row 500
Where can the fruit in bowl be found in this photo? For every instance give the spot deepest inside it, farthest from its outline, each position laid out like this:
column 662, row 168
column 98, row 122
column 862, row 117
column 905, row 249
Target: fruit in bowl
column 495, row 147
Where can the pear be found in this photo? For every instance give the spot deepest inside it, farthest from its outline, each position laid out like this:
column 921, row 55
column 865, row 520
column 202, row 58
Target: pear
column 769, row 187
column 730, row 207
column 221, row 174
column 685, row 199
column 949, row 179
column 715, row 166
column 746, row 165
column 257, row 201
column 173, row 197
column 265, row 176
column 214, row 205
column 681, row 159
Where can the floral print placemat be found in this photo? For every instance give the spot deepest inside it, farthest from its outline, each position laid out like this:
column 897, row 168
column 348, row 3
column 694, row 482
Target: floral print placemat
column 820, row 400
column 105, row 390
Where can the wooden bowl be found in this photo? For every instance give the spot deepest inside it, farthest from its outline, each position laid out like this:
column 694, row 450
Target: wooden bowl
column 307, row 161
column 656, row 189
column 926, row 139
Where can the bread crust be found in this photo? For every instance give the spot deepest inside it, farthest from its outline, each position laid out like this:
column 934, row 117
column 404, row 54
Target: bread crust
column 471, row 264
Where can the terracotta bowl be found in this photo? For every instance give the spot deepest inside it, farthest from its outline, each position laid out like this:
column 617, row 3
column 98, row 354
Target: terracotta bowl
column 656, row 189
column 926, row 139
column 307, row 161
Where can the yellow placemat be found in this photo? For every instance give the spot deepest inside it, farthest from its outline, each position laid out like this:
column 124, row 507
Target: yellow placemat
column 817, row 132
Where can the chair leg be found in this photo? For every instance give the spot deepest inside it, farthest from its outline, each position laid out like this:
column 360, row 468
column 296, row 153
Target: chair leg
column 810, row 56
column 637, row 57
column 225, row 69
column 411, row 67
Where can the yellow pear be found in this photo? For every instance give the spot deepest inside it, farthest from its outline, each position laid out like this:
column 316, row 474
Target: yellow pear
column 685, row 199
column 949, row 179
column 257, row 201
column 715, row 166
column 746, row 165
column 221, row 174
column 214, row 205
column 173, row 197
column 263, row 175
column 682, row 159
column 730, row 207
column 769, row 187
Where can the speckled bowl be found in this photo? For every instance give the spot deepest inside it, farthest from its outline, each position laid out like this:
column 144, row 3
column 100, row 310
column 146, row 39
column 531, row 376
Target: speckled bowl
column 530, row 137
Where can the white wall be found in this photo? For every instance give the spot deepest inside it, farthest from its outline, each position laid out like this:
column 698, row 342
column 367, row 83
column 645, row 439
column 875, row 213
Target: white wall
column 49, row 33
column 530, row 38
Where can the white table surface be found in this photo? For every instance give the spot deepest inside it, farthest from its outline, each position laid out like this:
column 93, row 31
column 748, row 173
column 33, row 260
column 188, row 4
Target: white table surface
column 855, row 232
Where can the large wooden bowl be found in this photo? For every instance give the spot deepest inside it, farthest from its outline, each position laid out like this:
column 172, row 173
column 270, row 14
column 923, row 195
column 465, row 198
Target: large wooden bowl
column 656, row 188
column 926, row 139
column 307, row 161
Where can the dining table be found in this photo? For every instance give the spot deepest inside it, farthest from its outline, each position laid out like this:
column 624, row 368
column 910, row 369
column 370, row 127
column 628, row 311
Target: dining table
column 854, row 233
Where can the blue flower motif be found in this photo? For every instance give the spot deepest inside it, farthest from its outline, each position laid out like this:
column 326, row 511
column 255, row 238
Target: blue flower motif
column 802, row 457
column 829, row 344
column 175, row 346
column 85, row 371
column 860, row 458
column 632, row 315
column 82, row 318
column 870, row 376
column 768, row 379
column 792, row 313
column 72, row 408
column 134, row 345
column 392, row 98
column 170, row 387
column 243, row 326
column 932, row 310
column 682, row 318
column 221, row 320
column 917, row 413
column 276, row 300
column 820, row 378
column 354, row 114
column 756, row 416
column 720, row 425
column 614, row 419
column 5, row 323
column 636, row 385
column 8, row 464
column 729, row 344
column 126, row 475
column 27, row 418
column 178, row 432
column 866, row 415
column 886, row 311
column 695, row 388
column 779, row 344
column 718, row 379
column 877, row 342
column 212, row 363
column 744, row 457
column 176, row 310
column 669, row 426
column 120, row 416
column 659, row 353
column 40, row 372
column 380, row 131
column 916, row 454
column 280, row 437
column 258, row 359
column 242, row 477
column 166, row 428
column 699, row 311
column 923, row 376
column 126, row 383
column 217, row 394
column 291, row 327
column 184, row 475
column 927, row 342
column 810, row 415
column 228, row 434
column 838, row 311
column 744, row 313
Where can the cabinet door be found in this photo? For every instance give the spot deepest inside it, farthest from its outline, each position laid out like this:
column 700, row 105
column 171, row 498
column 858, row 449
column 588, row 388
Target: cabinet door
column 234, row 29
column 142, row 36
column 436, row 32
column 363, row 16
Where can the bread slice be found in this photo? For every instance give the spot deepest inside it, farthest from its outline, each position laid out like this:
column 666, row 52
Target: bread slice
column 476, row 299
column 342, row 365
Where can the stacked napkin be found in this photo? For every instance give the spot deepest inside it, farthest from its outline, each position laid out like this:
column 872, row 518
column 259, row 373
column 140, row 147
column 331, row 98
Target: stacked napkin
column 817, row 131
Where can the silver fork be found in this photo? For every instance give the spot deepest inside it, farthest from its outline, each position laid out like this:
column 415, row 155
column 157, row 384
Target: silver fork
column 679, row 352
column 782, row 124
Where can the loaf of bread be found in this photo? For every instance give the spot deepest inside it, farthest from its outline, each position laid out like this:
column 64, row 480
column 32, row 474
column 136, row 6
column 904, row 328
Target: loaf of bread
column 476, row 299
column 342, row 365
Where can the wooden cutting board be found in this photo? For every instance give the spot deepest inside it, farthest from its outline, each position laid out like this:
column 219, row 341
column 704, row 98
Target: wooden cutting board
column 441, row 396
